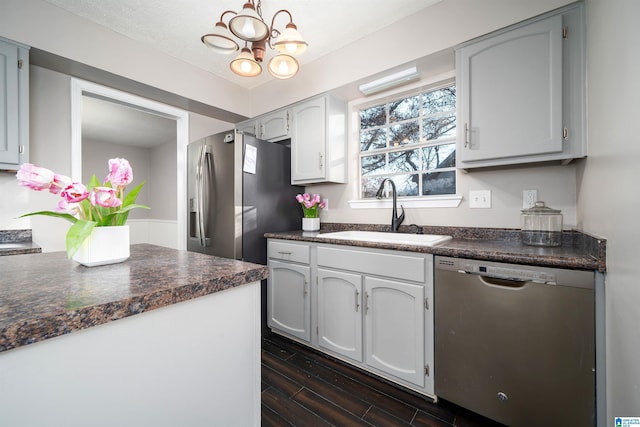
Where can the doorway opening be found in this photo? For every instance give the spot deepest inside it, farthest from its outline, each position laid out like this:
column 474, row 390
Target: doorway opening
column 159, row 150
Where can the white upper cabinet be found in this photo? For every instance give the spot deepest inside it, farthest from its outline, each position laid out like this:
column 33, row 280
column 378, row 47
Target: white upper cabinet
column 249, row 126
column 275, row 126
column 521, row 93
column 318, row 141
column 317, row 128
column 14, row 105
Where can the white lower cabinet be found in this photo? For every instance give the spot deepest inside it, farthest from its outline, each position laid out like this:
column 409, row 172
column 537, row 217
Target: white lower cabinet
column 394, row 328
column 368, row 307
column 288, row 298
column 340, row 312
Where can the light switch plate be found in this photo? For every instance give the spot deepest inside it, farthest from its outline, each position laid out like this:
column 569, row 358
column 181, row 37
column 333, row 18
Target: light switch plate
column 480, row 199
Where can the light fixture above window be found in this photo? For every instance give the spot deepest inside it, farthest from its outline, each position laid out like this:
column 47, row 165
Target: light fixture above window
column 390, row 81
column 249, row 26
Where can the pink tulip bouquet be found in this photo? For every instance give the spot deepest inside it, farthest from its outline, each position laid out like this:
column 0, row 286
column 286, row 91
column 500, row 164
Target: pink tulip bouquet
column 311, row 205
column 86, row 207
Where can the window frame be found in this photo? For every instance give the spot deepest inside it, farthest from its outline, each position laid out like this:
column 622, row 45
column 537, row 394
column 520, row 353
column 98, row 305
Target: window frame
column 448, row 200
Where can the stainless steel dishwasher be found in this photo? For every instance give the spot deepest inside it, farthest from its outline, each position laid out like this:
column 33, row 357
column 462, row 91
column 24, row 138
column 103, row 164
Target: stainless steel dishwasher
column 515, row 343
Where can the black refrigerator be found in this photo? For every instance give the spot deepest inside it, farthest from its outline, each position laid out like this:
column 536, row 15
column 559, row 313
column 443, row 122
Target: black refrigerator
column 238, row 188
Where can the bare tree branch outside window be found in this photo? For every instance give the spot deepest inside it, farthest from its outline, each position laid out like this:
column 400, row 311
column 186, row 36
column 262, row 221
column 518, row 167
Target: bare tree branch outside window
column 412, row 141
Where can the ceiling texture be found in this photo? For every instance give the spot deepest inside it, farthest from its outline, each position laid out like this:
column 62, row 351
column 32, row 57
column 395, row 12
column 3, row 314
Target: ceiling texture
column 175, row 27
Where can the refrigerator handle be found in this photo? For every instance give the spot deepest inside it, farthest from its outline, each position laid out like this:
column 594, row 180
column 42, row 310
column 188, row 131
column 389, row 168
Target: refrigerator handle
column 203, row 189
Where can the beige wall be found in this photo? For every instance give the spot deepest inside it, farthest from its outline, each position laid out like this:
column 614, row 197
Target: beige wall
column 608, row 186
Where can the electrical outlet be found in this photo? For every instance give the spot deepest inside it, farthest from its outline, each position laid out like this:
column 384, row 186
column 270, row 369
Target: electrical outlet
column 326, row 204
column 529, row 198
column 480, row 199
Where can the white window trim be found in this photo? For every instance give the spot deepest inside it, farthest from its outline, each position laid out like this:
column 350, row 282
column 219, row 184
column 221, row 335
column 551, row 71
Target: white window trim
column 435, row 201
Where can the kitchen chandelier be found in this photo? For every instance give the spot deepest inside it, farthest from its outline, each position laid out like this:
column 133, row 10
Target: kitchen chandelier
column 249, row 26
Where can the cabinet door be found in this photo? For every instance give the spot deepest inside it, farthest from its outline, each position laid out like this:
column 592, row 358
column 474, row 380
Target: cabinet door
column 394, row 328
column 249, row 126
column 510, row 89
column 308, row 141
column 340, row 312
column 288, row 302
column 275, row 126
column 9, row 106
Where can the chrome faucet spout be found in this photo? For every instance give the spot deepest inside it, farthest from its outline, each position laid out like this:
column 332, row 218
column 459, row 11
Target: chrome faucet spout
column 395, row 219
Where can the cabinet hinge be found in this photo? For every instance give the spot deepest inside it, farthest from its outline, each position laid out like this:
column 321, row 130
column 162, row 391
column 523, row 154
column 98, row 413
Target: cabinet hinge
column 426, row 303
column 565, row 134
column 426, row 370
column 19, row 64
column 565, row 32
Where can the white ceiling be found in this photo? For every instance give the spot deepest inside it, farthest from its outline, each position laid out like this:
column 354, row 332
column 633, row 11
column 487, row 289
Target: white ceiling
column 175, row 27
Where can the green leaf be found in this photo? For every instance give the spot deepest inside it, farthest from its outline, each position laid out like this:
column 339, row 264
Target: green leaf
column 129, row 200
column 77, row 234
column 133, row 194
column 93, row 182
column 53, row 214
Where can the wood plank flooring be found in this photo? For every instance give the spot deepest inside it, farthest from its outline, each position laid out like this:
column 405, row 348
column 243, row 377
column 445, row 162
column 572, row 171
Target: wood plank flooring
column 301, row 387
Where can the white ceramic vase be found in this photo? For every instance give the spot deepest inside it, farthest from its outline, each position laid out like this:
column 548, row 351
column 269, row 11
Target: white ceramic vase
column 310, row 224
column 105, row 245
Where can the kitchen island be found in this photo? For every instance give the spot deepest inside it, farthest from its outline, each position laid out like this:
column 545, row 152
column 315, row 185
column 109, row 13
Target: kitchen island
column 165, row 338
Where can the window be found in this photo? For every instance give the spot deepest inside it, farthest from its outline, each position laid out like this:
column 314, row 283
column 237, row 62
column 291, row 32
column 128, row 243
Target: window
column 411, row 140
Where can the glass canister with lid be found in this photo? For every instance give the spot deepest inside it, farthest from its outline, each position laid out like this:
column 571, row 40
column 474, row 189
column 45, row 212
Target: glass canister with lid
column 541, row 225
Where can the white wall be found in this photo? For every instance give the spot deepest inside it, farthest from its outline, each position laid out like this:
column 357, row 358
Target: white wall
column 50, row 126
column 427, row 32
column 52, row 29
column 608, row 185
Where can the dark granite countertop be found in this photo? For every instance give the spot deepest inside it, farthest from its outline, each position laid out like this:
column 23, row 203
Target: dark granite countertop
column 578, row 250
column 46, row 295
column 17, row 242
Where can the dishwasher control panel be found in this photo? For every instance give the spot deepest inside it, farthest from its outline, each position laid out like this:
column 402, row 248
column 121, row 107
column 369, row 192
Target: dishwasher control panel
column 492, row 269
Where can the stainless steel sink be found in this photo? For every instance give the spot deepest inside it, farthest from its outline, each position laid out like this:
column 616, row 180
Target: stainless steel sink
column 385, row 237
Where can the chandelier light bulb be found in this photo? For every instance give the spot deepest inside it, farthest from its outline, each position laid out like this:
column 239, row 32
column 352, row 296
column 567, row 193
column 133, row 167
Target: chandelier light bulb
column 283, row 66
column 247, row 29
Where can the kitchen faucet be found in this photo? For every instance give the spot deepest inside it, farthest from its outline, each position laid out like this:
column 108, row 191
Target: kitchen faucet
column 395, row 219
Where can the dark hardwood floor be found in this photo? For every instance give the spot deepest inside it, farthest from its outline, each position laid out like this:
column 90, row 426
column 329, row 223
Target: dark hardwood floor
column 301, row 387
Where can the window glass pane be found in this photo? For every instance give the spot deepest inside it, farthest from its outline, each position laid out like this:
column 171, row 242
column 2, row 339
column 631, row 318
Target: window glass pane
column 440, row 156
column 404, row 109
column 439, row 100
column 373, row 139
column 370, row 186
column 439, row 183
column 373, row 164
column 374, row 116
column 404, row 161
column 439, row 126
column 404, row 133
column 406, row 185
column 410, row 140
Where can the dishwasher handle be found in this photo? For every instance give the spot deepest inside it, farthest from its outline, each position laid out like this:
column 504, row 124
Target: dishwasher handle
column 503, row 283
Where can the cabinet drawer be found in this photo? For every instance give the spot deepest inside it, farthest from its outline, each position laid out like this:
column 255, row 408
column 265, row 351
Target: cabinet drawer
column 388, row 264
column 288, row 251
